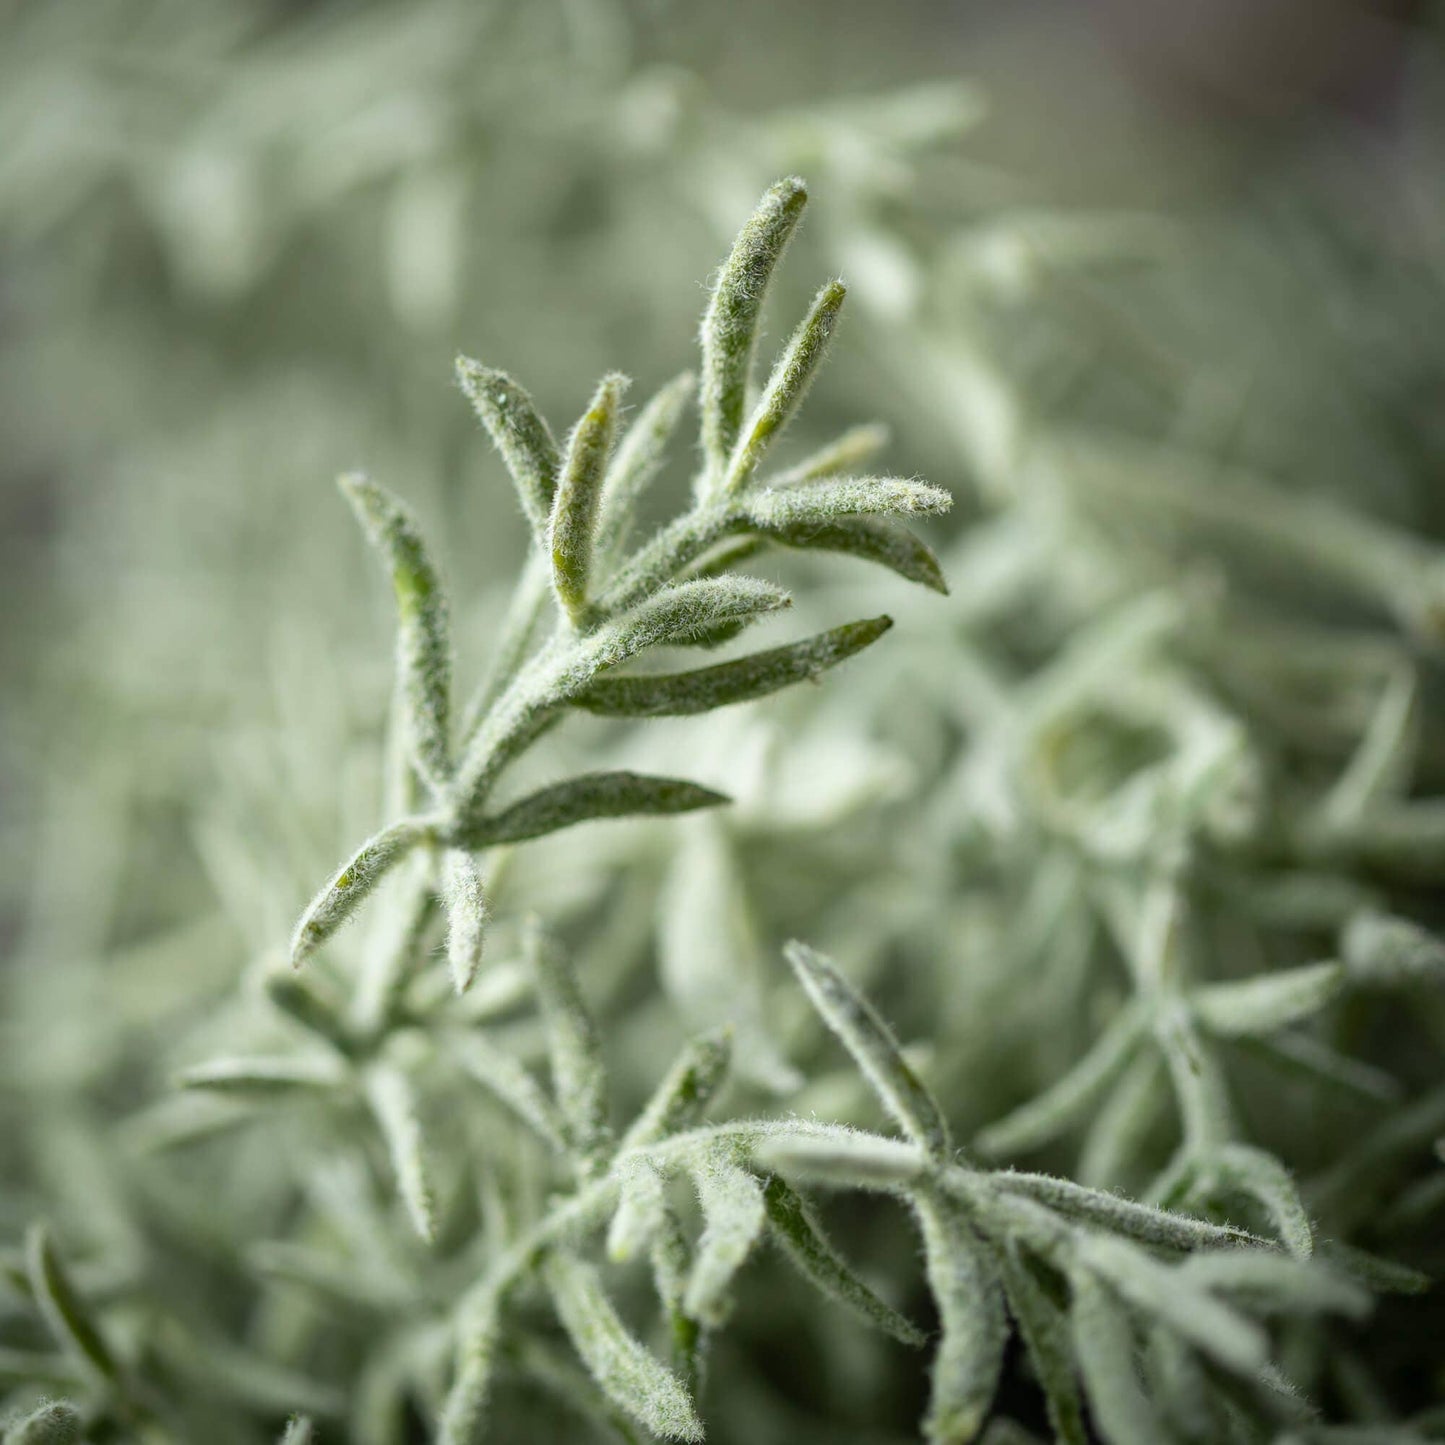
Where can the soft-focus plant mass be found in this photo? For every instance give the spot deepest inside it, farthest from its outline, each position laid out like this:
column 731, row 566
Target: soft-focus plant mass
column 705, row 1024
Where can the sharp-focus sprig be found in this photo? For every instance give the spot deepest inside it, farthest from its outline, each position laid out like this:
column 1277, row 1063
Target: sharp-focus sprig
column 611, row 608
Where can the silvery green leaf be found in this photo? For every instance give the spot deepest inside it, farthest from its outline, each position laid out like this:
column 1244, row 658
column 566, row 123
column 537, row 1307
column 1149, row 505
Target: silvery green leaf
column 628, row 1374
column 1385, row 951
column 807, row 1246
column 260, row 1076
column 1241, row 1169
column 888, row 545
column 1378, row 1275
column 298, row 1431
column 1270, row 1282
column 587, row 798
column 299, row 999
column 1122, row 1123
column 855, row 448
column 509, row 1081
column 424, row 662
column 1384, row 762
column 393, row 1104
column 464, row 1413
column 638, row 459
column 54, row 1423
column 974, row 1329
column 1044, row 1328
column 872, row 1044
column 1119, row 1215
column 466, row 907
column 1303, row 1054
column 1268, row 1003
column 1103, row 1337
column 339, row 899
column 843, row 1158
column 1161, row 1292
column 573, row 525
column 682, row 694
column 67, row 1315
column 820, row 503
column 579, row 1077
column 787, row 386
column 688, row 1088
column 1074, row 1097
column 641, row 1209
column 519, row 433
column 733, row 1217
column 730, row 325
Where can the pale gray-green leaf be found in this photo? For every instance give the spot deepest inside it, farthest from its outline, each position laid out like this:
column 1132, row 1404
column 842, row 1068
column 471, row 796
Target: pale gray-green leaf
column 820, row 503
column 466, row 906
column 733, row 1217
column 519, row 433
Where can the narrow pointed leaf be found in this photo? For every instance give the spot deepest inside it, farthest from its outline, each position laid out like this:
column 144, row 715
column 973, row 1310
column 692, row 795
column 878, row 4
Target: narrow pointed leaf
column 575, row 506
column 298, row 1432
column 579, row 1078
column 969, row 1358
column 845, row 1158
column 873, row 541
column 261, row 1076
column 1045, row 1332
column 1072, row 1099
column 510, row 1082
column 1271, row 1002
column 682, row 694
column 1103, row 1338
column 638, row 459
column 733, row 1217
column 466, row 906
column 299, row 1000
column 787, row 386
column 340, row 898
column 66, row 1313
column 54, row 1423
column 854, row 449
column 588, row 798
column 1242, row 1169
column 627, row 1373
column 690, row 1085
column 730, row 325
column 519, row 433
column 872, row 1044
column 641, row 1210
column 464, row 1414
column 1272, row 1282
column 807, row 1246
column 393, row 1104
column 424, row 662
column 1385, row 951
column 824, row 502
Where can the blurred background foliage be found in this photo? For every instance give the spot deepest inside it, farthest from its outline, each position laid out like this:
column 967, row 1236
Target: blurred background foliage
column 1156, row 290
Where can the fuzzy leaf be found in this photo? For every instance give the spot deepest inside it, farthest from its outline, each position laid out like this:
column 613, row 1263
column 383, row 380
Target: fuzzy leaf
column 519, row 433
column 1268, row 1003
column 686, row 1091
column 1073, row 1098
column 844, row 1157
column 1380, row 1276
column 66, row 1313
column 682, row 694
column 579, row 496
column 510, row 1082
column 1104, row 1346
column 873, row 541
column 55, row 1423
column 804, row 1242
column 466, row 907
column 627, row 1373
column 733, row 1218
column 298, row 1431
column 579, row 1078
column 1045, row 1332
column 855, row 448
column 1161, row 1292
column 641, row 1210
column 1384, row 951
column 872, row 1044
column 587, row 798
column 823, row 502
column 638, row 459
column 393, row 1104
column 464, row 1414
column 1272, row 1282
column 339, row 899
column 969, row 1357
column 730, row 325
column 424, row 663
column 1240, row 1169
column 261, row 1076
column 787, row 386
